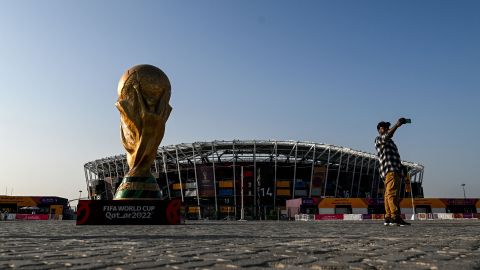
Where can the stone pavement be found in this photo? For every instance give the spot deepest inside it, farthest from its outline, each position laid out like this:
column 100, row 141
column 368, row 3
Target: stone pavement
column 364, row 244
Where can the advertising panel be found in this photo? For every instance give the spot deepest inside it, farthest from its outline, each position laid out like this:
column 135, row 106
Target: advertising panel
column 31, row 216
column 205, row 181
column 433, row 203
column 20, row 201
column 309, row 201
column 129, row 212
column 49, row 200
column 328, row 216
column 459, row 201
column 353, row 202
column 318, row 180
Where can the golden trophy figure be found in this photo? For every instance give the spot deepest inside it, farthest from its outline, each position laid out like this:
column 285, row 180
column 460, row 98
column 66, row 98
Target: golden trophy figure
column 143, row 96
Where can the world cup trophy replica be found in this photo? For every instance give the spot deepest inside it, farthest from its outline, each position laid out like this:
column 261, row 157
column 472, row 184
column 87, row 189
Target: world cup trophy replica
column 143, row 102
column 143, row 96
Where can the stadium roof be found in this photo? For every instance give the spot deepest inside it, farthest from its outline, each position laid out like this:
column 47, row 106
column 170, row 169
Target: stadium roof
column 295, row 152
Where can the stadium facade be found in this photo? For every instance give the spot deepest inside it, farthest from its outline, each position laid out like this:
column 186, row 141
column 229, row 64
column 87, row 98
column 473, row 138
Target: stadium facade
column 215, row 179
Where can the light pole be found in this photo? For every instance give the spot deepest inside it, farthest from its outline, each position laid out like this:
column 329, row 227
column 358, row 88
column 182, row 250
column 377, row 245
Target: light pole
column 80, row 195
column 242, row 213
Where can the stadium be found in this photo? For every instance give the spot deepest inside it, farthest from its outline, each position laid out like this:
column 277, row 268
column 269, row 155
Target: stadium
column 217, row 179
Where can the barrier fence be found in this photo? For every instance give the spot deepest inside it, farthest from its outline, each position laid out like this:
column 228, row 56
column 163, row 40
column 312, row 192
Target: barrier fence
column 420, row 216
column 5, row 216
column 11, row 217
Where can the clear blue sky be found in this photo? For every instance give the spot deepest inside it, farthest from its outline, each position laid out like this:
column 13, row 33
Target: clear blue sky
column 323, row 71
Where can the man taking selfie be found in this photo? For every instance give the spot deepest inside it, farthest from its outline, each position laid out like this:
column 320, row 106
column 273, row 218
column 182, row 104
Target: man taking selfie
column 390, row 170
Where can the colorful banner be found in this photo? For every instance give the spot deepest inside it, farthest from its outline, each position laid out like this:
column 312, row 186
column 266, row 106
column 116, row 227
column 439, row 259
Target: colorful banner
column 459, row 201
column 353, row 202
column 20, row 201
column 205, row 181
column 433, row 203
column 31, row 216
column 23, row 201
column 318, row 180
column 248, row 183
column 329, row 217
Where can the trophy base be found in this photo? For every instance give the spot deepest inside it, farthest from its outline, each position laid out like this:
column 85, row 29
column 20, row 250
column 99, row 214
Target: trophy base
column 129, row 212
column 138, row 188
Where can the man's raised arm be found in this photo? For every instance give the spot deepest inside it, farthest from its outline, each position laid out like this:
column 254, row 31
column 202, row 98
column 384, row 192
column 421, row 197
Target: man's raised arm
column 392, row 130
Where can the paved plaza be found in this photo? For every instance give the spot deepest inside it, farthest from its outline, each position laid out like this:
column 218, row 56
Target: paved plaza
column 452, row 244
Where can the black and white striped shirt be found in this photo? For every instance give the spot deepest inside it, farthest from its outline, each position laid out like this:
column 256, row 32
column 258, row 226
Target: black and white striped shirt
column 388, row 156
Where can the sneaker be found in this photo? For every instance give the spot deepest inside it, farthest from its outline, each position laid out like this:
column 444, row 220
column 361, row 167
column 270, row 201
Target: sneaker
column 387, row 221
column 400, row 222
